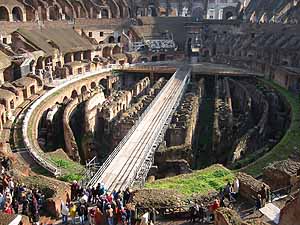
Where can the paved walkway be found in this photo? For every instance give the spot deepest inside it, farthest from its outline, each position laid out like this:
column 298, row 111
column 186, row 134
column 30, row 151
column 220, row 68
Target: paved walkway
column 121, row 171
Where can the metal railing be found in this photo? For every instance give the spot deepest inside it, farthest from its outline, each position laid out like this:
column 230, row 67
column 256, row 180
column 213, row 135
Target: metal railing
column 157, row 138
column 141, row 171
column 99, row 173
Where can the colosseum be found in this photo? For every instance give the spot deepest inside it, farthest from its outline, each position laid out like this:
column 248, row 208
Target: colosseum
column 162, row 112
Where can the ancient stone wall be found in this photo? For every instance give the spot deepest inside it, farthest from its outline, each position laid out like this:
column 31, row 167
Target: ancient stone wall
column 90, row 110
column 184, row 122
column 249, row 186
column 71, row 147
column 289, row 214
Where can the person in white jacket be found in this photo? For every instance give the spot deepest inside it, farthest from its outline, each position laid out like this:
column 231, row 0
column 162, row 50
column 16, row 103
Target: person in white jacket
column 64, row 212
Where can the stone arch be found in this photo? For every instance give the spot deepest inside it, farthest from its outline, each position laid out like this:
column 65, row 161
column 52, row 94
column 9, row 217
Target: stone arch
column 54, row 13
column 106, row 52
column 17, row 14
column 83, row 89
column 65, row 99
column 4, row 13
column 104, row 13
column 111, row 39
column 69, row 13
column 154, row 58
column 12, row 104
column 104, row 83
column 39, row 63
column 74, row 94
column 32, row 89
column 197, row 13
column 93, row 85
column 229, row 12
column 228, row 15
column 116, row 50
column 68, row 57
column 3, row 120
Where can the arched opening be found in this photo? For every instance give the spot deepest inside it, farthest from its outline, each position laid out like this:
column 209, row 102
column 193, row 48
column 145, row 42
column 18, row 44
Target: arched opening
column 65, row 100
column 144, row 60
column 54, row 13
column 69, row 13
column 2, row 118
column 17, row 14
column 4, row 15
column 12, row 104
column 39, row 63
column 104, row 13
column 116, row 50
column 111, row 39
column 197, row 14
column 154, row 58
column 119, row 39
column 106, row 52
column 228, row 15
column 162, row 57
column 83, row 89
column 103, row 84
column 68, row 58
column 32, row 90
column 140, row 12
column 77, row 56
column 74, row 94
column 93, row 85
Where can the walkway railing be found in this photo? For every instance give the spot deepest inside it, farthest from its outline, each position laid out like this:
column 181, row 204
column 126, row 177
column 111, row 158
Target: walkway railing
column 157, row 139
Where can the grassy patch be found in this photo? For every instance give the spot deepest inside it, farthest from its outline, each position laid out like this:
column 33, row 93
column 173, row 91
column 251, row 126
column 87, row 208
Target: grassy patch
column 198, row 182
column 290, row 141
column 70, row 170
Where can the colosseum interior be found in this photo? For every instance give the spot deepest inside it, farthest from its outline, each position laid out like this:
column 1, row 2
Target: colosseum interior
column 167, row 111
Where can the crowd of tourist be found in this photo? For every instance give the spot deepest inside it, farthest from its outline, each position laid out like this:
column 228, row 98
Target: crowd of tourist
column 97, row 206
column 18, row 198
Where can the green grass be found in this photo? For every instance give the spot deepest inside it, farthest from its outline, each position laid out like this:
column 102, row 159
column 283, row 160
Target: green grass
column 198, row 182
column 70, row 170
column 290, row 141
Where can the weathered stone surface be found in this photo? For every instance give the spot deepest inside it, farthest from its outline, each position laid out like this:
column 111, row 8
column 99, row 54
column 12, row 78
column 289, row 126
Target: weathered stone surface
column 281, row 174
column 249, row 186
column 226, row 216
column 157, row 198
column 289, row 214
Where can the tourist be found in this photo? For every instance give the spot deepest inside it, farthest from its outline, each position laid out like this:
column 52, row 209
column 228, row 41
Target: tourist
column 110, row 215
column 258, row 202
column 263, row 194
column 193, row 213
column 99, row 218
column 74, row 190
column 201, row 213
column 15, row 205
column 7, row 209
column 127, row 196
column 81, row 212
column 64, row 212
column 73, row 210
column 236, row 186
column 34, row 210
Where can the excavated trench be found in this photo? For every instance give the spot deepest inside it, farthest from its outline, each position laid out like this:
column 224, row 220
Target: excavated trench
column 232, row 121
column 238, row 121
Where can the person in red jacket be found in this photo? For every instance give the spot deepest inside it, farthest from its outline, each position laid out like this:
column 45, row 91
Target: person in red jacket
column 7, row 209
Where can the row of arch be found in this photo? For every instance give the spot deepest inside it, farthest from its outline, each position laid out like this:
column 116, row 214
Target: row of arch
column 109, row 51
column 85, row 88
column 16, row 14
